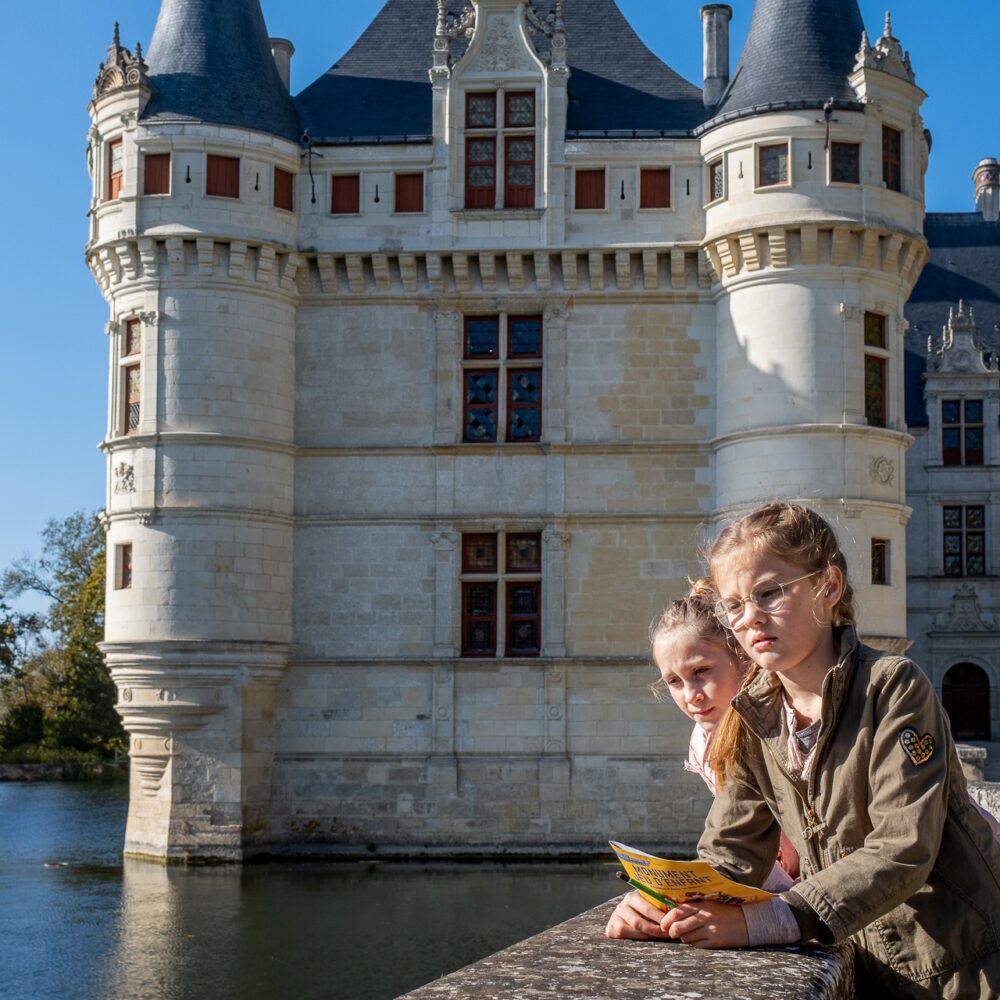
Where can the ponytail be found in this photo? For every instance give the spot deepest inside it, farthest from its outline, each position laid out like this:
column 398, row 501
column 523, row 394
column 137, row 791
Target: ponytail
column 728, row 745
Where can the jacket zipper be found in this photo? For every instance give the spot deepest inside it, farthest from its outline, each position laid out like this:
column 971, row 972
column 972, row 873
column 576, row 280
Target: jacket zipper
column 811, row 833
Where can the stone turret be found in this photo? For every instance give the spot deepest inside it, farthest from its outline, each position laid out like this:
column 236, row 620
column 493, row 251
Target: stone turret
column 196, row 160
column 803, row 154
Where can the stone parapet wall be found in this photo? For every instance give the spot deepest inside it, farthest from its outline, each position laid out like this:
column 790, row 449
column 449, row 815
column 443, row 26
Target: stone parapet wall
column 575, row 959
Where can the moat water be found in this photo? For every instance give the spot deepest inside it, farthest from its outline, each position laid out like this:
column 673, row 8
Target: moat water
column 78, row 923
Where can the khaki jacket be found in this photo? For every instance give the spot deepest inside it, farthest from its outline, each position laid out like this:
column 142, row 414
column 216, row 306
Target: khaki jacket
column 893, row 853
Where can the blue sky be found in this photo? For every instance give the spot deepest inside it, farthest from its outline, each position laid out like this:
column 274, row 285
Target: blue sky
column 52, row 327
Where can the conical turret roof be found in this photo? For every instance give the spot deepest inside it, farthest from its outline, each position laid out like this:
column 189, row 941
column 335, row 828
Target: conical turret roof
column 210, row 61
column 798, row 54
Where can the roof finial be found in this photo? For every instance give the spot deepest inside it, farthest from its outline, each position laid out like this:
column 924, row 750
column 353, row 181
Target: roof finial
column 888, row 24
column 117, row 39
column 439, row 30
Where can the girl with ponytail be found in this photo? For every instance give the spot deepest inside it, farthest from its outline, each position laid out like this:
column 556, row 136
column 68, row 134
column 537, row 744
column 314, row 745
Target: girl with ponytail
column 848, row 751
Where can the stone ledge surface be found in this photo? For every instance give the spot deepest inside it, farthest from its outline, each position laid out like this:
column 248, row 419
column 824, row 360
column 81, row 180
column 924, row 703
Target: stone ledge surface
column 574, row 959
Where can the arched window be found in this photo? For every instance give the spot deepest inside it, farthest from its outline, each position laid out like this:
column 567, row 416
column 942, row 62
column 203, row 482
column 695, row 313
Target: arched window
column 965, row 693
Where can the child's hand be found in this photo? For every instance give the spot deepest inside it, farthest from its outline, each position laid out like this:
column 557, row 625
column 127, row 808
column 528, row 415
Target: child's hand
column 636, row 918
column 707, row 924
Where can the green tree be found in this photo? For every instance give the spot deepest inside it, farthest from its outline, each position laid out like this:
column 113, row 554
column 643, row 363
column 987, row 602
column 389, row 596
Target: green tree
column 71, row 682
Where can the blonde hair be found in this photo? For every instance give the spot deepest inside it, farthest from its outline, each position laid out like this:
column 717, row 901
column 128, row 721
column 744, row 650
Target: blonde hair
column 695, row 614
column 799, row 536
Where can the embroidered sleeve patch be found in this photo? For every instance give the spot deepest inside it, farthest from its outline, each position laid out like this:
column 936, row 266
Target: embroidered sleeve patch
column 919, row 749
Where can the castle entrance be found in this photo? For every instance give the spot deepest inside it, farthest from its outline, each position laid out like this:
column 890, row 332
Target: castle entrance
column 965, row 693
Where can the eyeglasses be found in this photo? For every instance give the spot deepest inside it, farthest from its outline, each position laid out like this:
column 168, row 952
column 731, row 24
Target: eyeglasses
column 768, row 598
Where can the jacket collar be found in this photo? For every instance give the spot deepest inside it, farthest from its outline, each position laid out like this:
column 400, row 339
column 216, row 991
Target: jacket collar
column 760, row 702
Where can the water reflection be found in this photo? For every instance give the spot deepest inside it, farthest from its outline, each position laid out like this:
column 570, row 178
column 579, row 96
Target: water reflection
column 139, row 931
column 357, row 931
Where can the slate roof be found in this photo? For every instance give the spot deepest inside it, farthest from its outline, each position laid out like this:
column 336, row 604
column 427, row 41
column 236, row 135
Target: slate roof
column 964, row 265
column 380, row 88
column 797, row 54
column 210, row 61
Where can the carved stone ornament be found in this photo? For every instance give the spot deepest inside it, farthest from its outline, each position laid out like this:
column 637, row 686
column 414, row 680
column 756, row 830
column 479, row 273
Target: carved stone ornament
column 500, row 51
column 126, row 694
column 444, row 540
column 965, row 614
column 960, row 348
column 146, row 517
column 556, row 540
column 886, row 54
column 150, row 318
column 882, row 470
column 124, row 478
column 121, row 69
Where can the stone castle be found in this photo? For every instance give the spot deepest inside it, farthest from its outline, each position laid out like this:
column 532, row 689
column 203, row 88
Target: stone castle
column 426, row 383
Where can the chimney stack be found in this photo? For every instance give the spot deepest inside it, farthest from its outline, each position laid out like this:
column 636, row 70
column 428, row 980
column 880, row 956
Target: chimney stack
column 283, row 50
column 715, row 18
column 986, row 177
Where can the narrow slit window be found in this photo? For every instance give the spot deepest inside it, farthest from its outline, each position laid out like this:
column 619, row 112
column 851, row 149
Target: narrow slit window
column 892, row 158
column 123, row 566
column 116, row 169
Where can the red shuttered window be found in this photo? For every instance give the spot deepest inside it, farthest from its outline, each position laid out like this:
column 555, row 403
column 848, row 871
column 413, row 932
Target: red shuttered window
column 589, row 190
column 284, row 189
column 409, row 192
column 654, row 188
column 345, row 194
column 156, row 173
column 222, row 176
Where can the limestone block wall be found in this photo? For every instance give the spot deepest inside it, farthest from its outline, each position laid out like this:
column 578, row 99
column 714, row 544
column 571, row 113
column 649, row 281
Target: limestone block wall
column 468, row 757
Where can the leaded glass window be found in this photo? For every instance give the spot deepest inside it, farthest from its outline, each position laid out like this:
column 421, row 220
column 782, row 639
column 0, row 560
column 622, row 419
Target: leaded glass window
column 520, row 110
column 875, row 408
column 845, row 163
column 481, row 405
column 772, row 165
column 962, row 432
column 481, row 110
column 519, row 618
column 133, row 337
column 716, row 181
column 133, row 388
column 964, row 540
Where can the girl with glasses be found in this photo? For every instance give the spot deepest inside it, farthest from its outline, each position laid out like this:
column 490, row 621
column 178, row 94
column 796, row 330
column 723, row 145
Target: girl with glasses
column 848, row 751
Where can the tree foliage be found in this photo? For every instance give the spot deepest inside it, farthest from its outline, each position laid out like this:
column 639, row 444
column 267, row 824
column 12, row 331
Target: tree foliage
column 63, row 674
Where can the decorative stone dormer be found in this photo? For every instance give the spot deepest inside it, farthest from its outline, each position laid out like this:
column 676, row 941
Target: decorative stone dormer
column 886, row 55
column 962, row 395
column 961, row 350
column 122, row 70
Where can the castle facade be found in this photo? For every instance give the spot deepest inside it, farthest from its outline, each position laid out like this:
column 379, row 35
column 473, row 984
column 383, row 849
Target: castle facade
column 426, row 384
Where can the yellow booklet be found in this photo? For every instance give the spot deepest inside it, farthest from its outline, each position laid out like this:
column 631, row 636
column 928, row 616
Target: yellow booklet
column 683, row 881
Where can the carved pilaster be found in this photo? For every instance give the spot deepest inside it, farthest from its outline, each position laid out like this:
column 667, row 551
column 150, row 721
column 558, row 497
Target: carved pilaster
column 448, row 340
column 445, row 592
column 554, row 544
